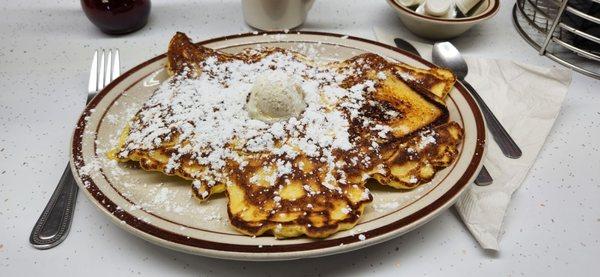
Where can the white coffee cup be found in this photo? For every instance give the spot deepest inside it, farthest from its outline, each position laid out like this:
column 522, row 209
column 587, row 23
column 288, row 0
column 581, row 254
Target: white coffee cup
column 273, row 15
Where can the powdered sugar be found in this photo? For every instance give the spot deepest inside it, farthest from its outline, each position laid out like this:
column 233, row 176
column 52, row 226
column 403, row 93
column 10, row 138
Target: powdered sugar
column 205, row 115
column 427, row 138
column 91, row 167
column 406, row 76
column 385, row 206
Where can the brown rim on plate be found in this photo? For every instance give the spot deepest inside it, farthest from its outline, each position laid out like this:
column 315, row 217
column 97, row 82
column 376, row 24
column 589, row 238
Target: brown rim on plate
column 489, row 12
column 146, row 230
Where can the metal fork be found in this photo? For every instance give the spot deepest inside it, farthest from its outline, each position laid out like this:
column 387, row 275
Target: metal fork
column 55, row 221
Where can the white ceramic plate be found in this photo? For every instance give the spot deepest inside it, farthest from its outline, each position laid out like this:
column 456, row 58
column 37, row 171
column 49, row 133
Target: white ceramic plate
column 161, row 210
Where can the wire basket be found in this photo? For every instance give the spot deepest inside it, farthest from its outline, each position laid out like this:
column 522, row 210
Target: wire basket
column 567, row 32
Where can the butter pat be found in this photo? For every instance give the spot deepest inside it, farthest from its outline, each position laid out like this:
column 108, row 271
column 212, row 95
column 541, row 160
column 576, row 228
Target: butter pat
column 466, row 5
column 275, row 97
column 437, row 7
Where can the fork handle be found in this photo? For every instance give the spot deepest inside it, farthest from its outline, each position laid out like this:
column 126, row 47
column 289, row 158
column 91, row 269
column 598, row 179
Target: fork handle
column 55, row 221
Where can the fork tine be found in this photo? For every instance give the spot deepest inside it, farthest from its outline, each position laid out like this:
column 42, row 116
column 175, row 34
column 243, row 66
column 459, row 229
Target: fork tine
column 93, row 82
column 117, row 65
column 107, row 77
column 101, row 72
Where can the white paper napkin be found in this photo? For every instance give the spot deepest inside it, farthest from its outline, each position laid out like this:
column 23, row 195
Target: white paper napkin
column 526, row 99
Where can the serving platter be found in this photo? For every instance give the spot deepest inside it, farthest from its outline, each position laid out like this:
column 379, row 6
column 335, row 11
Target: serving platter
column 162, row 210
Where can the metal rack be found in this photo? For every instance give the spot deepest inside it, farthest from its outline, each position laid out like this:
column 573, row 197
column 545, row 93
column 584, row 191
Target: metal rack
column 564, row 31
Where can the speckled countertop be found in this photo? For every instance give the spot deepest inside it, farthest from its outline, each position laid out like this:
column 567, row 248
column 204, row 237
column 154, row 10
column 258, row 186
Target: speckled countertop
column 552, row 227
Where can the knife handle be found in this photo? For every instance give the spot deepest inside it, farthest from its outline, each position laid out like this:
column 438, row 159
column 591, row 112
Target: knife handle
column 508, row 146
column 484, row 178
column 55, row 221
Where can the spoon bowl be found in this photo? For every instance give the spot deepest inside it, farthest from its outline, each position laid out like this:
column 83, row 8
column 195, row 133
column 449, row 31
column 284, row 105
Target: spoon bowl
column 446, row 55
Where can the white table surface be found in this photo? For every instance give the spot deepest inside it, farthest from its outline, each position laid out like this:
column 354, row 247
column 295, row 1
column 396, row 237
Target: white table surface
column 552, row 227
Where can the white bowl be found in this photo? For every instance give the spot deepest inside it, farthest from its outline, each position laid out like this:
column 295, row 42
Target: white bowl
column 442, row 28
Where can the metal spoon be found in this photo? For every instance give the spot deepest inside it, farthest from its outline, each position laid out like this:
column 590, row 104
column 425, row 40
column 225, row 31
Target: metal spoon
column 446, row 55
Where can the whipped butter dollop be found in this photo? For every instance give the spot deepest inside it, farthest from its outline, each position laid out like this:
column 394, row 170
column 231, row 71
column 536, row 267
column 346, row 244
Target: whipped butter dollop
column 275, row 97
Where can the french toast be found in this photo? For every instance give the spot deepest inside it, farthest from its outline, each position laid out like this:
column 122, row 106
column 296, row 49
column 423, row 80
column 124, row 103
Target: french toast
column 438, row 81
column 305, row 175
